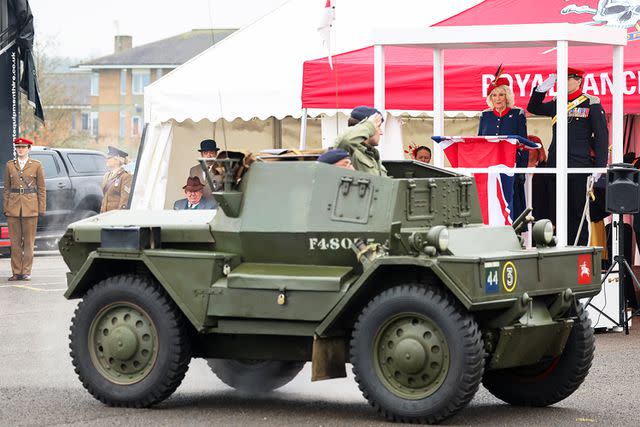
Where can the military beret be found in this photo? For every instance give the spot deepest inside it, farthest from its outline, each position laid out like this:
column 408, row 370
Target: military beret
column 363, row 112
column 333, row 156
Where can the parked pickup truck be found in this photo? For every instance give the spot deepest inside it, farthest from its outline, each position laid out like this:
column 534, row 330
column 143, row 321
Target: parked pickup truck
column 74, row 191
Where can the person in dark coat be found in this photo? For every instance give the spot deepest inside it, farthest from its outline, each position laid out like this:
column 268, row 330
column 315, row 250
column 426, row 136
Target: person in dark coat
column 503, row 118
column 195, row 199
column 588, row 142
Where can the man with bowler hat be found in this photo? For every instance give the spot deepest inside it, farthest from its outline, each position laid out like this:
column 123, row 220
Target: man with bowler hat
column 194, row 200
column 116, row 184
column 24, row 200
column 361, row 140
column 208, row 149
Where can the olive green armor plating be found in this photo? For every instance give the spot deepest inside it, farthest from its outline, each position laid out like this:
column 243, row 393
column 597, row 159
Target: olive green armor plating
column 288, row 266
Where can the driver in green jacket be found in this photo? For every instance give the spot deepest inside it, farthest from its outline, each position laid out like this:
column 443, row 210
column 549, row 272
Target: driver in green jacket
column 361, row 140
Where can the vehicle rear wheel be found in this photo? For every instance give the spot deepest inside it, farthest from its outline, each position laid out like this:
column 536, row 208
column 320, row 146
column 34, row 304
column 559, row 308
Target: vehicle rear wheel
column 129, row 342
column 417, row 355
column 257, row 376
column 550, row 381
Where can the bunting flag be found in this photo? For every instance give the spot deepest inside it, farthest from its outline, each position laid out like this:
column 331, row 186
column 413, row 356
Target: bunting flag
column 328, row 17
column 495, row 190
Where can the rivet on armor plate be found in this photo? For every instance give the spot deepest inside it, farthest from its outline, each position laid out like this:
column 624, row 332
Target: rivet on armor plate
column 282, row 299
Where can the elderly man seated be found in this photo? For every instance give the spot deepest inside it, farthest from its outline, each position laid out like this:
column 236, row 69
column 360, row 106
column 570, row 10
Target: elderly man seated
column 194, row 200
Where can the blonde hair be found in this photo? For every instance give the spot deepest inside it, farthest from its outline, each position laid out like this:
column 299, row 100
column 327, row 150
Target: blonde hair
column 508, row 92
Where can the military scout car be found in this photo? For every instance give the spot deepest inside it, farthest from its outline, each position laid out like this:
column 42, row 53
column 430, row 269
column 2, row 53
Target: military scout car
column 310, row 262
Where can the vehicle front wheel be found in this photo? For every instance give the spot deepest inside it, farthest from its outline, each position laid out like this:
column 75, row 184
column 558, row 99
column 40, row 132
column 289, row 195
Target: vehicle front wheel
column 129, row 343
column 417, row 355
column 255, row 376
column 550, row 381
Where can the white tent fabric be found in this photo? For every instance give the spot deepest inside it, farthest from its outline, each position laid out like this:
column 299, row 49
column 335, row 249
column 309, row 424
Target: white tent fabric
column 150, row 188
column 257, row 71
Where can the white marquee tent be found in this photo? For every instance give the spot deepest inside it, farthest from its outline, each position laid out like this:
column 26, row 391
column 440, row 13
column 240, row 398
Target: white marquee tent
column 255, row 73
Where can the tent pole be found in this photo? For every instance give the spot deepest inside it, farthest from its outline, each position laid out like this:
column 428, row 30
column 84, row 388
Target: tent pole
column 617, row 130
column 438, row 104
column 379, row 83
column 617, row 118
column 303, row 129
column 561, row 143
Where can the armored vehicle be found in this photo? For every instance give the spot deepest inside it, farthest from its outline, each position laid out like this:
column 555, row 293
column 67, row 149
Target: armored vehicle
column 310, row 262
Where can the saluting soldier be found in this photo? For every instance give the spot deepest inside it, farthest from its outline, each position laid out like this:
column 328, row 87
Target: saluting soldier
column 588, row 143
column 116, row 184
column 24, row 200
column 361, row 140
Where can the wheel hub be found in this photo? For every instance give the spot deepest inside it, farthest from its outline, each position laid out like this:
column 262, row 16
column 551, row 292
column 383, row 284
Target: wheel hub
column 411, row 356
column 123, row 343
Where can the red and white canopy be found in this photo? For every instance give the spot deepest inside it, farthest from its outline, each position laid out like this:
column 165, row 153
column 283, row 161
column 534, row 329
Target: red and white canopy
column 409, row 71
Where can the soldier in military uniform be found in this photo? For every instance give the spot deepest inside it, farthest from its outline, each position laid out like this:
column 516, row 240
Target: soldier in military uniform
column 116, row 184
column 208, row 149
column 588, row 142
column 361, row 140
column 24, row 200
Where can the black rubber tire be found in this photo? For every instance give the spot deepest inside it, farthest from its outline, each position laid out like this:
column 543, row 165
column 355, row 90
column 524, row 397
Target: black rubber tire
column 173, row 344
column 463, row 338
column 551, row 381
column 259, row 376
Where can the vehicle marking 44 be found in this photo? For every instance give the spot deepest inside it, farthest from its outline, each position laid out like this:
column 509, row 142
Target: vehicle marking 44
column 491, row 277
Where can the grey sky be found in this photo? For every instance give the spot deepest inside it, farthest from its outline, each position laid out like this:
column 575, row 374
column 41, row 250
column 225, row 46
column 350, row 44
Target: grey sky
column 85, row 28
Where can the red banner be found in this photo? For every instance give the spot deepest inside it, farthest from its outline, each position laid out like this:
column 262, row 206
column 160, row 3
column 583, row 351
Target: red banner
column 409, row 71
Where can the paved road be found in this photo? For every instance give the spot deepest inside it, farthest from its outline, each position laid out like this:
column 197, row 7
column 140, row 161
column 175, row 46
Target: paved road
column 38, row 385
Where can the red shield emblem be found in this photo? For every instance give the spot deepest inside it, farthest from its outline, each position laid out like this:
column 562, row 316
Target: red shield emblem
column 584, row 269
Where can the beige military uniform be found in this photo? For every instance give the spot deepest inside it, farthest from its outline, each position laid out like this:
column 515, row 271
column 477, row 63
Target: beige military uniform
column 24, row 199
column 116, row 187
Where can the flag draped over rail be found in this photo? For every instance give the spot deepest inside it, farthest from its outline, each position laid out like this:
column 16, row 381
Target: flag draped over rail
column 495, row 190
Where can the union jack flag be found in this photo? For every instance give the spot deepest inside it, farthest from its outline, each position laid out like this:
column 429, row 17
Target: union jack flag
column 495, row 190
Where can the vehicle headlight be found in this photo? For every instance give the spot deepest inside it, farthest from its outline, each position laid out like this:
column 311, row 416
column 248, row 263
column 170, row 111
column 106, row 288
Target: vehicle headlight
column 438, row 236
column 543, row 232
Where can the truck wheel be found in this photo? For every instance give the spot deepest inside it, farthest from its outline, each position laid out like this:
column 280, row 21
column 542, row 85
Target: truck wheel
column 129, row 342
column 550, row 381
column 417, row 355
column 257, row 376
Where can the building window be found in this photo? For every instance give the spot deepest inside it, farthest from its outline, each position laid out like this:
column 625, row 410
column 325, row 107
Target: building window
column 94, row 123
column 95, row 84
column 139, row 79
column 85, row 121
column 73, row 121
column 136, row 126
column 123, row 81
column 89, row 122
column 159, row 73
column 123, row 124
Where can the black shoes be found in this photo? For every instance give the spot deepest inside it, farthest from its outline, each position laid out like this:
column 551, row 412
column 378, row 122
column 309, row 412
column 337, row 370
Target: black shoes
column 15, row 277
